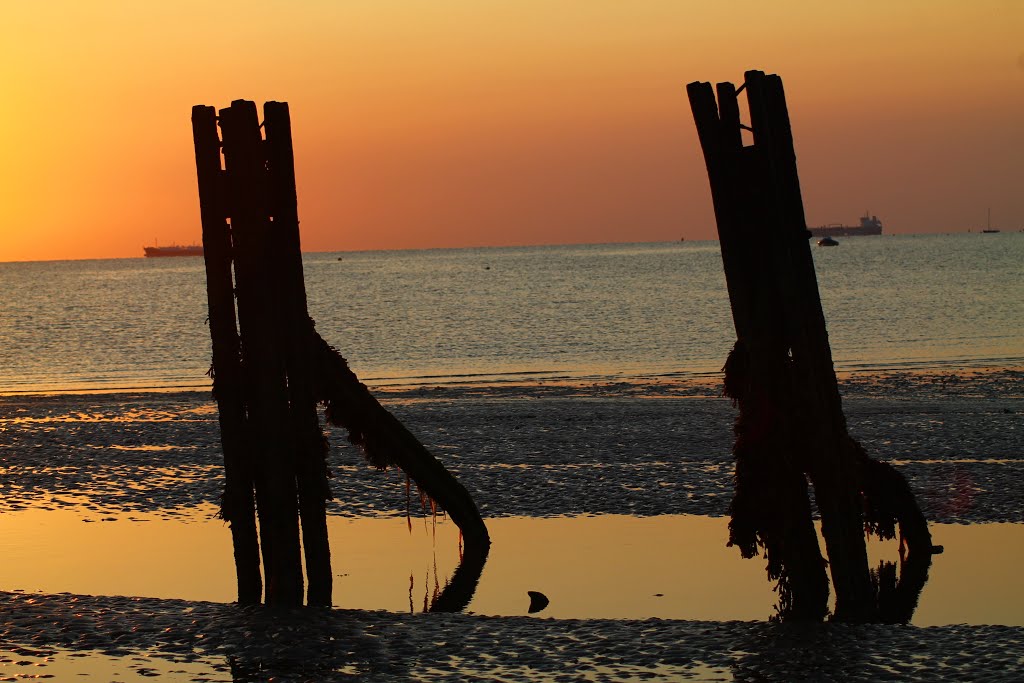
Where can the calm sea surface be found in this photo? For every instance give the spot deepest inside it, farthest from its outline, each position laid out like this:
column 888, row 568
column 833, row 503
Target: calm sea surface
column 484, row 315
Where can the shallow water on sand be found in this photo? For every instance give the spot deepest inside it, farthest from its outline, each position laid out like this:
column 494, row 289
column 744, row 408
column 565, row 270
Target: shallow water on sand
column 601, row 567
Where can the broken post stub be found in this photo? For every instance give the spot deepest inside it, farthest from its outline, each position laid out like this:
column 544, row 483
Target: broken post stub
column 791, row 428
column 271, row 369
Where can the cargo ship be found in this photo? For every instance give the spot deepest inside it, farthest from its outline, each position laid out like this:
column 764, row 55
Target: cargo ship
column 175, row 250
column 869, row 225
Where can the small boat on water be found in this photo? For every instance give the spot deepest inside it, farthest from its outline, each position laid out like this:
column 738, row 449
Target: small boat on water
column 827, row 242
column 174, row 250
column 988, row 224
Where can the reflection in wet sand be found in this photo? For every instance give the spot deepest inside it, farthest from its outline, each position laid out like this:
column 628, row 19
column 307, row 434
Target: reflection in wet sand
column 608, row 566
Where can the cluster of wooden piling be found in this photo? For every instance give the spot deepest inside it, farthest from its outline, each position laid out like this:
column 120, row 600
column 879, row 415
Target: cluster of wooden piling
column 791, row 428
column 271, row 369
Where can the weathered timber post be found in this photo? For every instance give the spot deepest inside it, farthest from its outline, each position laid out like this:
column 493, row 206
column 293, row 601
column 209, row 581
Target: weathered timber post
column 272, row 370
column 832, row 468
column 263, row 330
column 771, row 507
column 308, row 442
column 387, row 442
column 791, row 424
column 237, row 504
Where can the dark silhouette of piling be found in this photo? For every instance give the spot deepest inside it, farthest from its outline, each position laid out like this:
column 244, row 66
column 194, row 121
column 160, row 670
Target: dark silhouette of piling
column 238, row 504
column 271, row 369
column 791, row 426
column 308, row 442
column 262, row 323
column 386, row 443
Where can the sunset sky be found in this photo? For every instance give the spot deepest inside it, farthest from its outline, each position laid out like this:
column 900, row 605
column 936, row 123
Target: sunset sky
column 450, row 123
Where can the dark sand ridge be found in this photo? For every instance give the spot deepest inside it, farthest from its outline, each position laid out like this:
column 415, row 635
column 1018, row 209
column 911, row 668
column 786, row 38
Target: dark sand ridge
column 628, row 448
column 639, row 448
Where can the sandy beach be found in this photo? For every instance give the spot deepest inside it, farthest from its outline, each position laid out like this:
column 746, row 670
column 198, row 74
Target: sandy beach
column 642, row 449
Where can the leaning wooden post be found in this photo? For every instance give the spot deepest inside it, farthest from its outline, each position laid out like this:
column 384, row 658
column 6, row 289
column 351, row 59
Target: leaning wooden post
column 237, row 503
column 781, row 374
column 771, row 507
column 386, row 442
column 832, row 468
column 262, row 324
column 308, row 441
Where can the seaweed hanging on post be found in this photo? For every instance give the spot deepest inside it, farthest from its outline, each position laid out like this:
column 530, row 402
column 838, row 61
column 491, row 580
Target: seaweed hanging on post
column 386, row 442
column 791, row 429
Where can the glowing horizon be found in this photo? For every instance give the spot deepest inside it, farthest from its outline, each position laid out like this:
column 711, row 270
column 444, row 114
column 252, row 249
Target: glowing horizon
column 457, row 123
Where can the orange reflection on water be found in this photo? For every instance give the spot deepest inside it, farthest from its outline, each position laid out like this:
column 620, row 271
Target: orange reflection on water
column 609, row 566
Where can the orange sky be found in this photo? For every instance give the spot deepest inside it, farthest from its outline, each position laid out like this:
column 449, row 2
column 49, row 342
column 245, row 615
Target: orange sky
column 435, row 123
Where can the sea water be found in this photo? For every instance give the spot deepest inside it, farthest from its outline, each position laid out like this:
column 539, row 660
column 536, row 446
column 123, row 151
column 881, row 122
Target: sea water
column 600, row 312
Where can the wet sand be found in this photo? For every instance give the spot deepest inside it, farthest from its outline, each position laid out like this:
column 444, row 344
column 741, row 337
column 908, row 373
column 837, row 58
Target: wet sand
column 527, row 450
column 635, row 448
column 86, row 638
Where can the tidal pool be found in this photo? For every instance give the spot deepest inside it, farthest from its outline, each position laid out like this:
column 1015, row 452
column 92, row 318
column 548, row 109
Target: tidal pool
column 605, row 566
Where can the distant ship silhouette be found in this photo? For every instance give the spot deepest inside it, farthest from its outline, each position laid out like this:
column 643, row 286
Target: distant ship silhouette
column 175, row 250
column 869, row 225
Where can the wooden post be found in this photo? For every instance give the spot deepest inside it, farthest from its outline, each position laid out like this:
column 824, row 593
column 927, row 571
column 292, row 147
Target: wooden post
column 832, row 469
column 262, row 324
column 237, row 504
column 387, row 442
column 771, row 508
column 308, row 442
column 273, row 370
column 791, row 424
